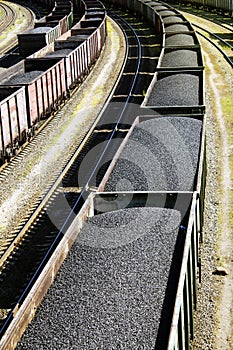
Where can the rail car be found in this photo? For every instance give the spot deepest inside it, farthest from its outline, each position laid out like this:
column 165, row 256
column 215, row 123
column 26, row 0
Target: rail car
column 46, row 78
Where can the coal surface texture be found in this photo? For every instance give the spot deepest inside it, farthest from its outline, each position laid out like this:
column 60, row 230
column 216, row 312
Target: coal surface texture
column 172, row 19
column 175, row 90
column 180, row 58
column 112, row 294
column 161, row 155
column 179, row 40
column 60, row 53
column 177, row 28
column 24, row 78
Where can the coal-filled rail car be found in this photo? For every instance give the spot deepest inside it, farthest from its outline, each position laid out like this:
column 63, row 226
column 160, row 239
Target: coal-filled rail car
column 176, row 113
column 123, row 274
column 47, row 29
column 45, row 87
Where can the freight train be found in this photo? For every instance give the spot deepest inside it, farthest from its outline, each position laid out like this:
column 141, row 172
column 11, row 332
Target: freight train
column 135, row 257
column 37, row 87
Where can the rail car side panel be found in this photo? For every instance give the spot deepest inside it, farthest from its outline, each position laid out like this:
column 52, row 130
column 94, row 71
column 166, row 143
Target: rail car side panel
column 32, row 103
column 5, row 125
column 13, row 117
column 22, row 112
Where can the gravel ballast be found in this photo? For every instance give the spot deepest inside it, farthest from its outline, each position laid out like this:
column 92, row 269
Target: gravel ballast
column 110, row 291
column 180, row 58
column 160, row 155
column 175, row 90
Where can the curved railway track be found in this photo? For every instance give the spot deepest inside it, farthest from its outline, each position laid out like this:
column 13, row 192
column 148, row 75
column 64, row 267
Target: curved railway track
column 8, row 18
column 36, row 238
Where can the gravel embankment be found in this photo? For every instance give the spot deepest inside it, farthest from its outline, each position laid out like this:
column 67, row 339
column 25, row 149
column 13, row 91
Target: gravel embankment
column 204, row 316
column 160, row 155
column 176, row 90
column 180, row 58
column 180, row 39
column 110, row 291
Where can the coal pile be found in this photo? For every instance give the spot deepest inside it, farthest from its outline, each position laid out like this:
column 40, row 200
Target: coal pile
column 111, row 292
column 180, row 40
column 167, row 13
column 175, row 90
column 172, row 19
column 180, row 58
column 161, row 155
column 24, row 78
column 39, row 30
column 60, row 53
column 160, row 8
column 177, row 28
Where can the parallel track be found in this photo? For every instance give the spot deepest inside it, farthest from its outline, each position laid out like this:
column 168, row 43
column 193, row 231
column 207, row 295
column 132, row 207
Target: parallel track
column 8, row 16
column 38, row 237
column 222, row 45
column 223, row 39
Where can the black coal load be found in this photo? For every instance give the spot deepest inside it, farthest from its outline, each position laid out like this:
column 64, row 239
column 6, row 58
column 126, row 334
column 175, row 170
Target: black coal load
column 161, row 155
column 24, row 78
column 172, row 19
column 180, row 58
column 179, row 40
column 116, row 290
column 60, row 53
column 177, row 28
column 176, row 90
column 39, row 30
column 167, row 13
column 160, row 8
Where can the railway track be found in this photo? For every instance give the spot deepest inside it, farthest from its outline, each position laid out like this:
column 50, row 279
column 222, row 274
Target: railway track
column 221, row 44
column 37, row 237
column 10, row 14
